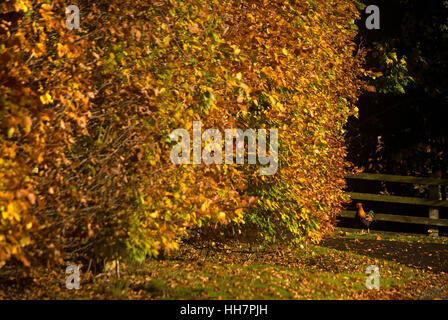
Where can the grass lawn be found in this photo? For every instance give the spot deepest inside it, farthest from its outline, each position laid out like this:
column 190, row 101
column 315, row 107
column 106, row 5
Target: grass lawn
column 411, row 267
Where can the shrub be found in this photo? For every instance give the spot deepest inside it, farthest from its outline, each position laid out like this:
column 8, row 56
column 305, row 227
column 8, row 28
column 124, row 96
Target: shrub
column 86, row 116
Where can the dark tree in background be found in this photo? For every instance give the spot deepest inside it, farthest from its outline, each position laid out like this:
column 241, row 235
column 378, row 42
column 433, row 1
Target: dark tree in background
column 403, row 124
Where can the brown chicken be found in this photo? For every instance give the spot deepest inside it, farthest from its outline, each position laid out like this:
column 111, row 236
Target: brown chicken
column 365, row 218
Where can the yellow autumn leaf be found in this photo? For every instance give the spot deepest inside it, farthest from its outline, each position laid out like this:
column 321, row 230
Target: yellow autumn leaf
column 205, row 206
column 25, row 241
column 46, row 98
column 21, row 5
column 11, row 132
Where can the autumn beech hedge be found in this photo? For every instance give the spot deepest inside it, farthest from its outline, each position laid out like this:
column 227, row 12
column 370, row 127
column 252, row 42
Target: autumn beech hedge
column 86, row 116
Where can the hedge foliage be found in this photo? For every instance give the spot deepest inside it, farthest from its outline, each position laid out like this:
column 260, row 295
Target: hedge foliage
column 86, row 114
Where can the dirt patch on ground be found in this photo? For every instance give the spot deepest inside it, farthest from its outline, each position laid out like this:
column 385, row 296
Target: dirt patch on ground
column 428, row 256
column 431, row 257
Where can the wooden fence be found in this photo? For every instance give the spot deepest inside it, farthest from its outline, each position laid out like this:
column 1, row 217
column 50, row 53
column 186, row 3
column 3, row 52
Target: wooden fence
column 434, row 202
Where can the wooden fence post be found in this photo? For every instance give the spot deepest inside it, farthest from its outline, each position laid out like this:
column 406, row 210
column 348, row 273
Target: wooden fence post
column 434, row 194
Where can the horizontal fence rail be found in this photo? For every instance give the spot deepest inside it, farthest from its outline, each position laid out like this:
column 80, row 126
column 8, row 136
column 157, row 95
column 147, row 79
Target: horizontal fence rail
column 399, row 218
column 398, row 199
column 398, row 179
column 433, row 203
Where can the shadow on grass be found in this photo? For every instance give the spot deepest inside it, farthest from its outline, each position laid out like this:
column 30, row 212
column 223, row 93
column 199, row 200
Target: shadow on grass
column 430, row 256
